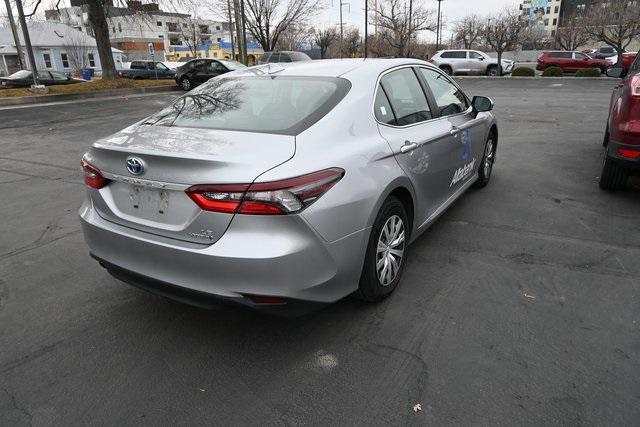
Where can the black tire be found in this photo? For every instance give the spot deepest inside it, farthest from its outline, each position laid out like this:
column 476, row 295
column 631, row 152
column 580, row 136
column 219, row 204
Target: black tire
column 371, row 287
column 614, row 175
column 138, row 78
column 447, row 69
column 488, row 160
column 492, row 70
column 602, row 70
column 186, row 84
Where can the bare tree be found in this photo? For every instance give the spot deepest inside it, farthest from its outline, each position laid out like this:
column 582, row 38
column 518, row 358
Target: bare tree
column 295, row 37
column 572, row 34
column 468, row 31
column 399, row 24
column 101, row 32
column 615, row 23
column 268, row 19
column 505, row 32
column 351, row 42
column 325, row 39
column 77, row 51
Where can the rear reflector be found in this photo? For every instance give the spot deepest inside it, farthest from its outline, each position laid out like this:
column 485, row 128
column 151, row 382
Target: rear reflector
column 629, row 154
column 92, row 176
column 265, row 198
column 265, row 299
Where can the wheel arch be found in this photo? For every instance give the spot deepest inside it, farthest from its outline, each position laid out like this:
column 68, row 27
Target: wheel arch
column 402, row 188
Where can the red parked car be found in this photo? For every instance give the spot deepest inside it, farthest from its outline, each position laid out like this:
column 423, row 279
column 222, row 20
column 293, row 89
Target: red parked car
column 627, row 59
column 622, row 137
column 570, row 62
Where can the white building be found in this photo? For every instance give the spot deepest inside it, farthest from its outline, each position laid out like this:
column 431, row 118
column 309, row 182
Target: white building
column 132, row 28
column 55, row 47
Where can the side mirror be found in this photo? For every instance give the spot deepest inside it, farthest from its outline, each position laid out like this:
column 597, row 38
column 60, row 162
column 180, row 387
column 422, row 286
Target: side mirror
column 481, row 104
column 481, row 58
column 616, row 72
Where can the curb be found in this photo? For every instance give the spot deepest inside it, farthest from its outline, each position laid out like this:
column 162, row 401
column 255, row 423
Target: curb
column 44, row 99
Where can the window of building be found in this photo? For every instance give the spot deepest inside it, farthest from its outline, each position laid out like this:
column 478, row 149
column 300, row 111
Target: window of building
column 218, row 27
column 159, row 24
column 65, row 60
column 546, row 22
column 114, row 30
column 556, row 9
column 92, row 59
column 553, row 32
column 548, row 10
column 555, row 21
column 160, row 36
column 119, row 27
column 47, row 60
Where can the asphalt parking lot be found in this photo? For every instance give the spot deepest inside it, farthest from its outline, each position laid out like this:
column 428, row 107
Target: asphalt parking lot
column 520, row 306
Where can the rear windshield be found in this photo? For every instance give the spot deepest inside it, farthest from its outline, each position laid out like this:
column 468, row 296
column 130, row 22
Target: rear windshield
column 270, row 104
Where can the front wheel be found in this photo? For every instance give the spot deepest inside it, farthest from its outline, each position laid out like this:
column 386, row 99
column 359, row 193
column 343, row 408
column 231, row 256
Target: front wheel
column 386, row 252
column 488, row 159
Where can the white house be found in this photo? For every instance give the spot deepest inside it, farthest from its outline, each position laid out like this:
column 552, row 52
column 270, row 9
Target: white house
column 56, row 46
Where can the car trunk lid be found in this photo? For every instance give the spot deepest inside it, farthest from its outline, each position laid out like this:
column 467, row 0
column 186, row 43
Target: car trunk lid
column 171, row 159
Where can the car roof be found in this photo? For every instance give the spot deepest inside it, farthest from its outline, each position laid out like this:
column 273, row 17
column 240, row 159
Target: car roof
column 349, row 68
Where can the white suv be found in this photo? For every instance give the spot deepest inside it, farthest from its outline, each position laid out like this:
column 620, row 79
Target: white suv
column 463, row 61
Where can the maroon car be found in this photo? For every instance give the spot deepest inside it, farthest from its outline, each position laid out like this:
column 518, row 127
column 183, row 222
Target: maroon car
column 570, row 62
column 622, row 137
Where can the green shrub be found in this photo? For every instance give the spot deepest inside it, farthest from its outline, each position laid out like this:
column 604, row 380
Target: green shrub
column 553, row 72
column 588, row 72
column 523, row 72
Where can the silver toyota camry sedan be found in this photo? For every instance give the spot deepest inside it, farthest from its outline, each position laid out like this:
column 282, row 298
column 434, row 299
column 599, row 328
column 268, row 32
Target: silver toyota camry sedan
column 286, row 184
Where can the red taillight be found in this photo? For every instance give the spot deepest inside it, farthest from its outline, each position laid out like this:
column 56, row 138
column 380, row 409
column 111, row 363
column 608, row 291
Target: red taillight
column 92, row 176
column 629, row 154
column 265, row 198
column 635, row 85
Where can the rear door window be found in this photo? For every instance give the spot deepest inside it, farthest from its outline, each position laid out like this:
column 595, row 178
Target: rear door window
column 406, row 97
column 284, row 57
column 275, row 57
column 382, row 108
column 563, row 55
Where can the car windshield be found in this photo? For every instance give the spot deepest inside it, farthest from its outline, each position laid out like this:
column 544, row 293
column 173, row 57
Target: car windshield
column 232, row 65
column 269, row 104
column 22, row 74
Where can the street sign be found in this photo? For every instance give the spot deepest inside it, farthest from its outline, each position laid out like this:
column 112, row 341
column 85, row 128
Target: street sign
column 151, row 49
column 152, row 52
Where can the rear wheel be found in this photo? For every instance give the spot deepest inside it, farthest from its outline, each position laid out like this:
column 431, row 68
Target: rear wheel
column 492, row 70
column 186, row 84
column 386, row 252
column 614, row 175
column 138, row 78
column 447, row 70
column 488, row 159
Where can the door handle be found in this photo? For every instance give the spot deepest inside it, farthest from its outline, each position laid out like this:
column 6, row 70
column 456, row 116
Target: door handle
column 408, row 146
column 454, row 131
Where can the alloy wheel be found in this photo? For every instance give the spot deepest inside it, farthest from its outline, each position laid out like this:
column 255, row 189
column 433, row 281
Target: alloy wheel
column 390, row 250
column 488, row 158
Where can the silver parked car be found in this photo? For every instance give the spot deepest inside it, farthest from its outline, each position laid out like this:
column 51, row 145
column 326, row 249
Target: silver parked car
column 277, row 185
column 463, row 61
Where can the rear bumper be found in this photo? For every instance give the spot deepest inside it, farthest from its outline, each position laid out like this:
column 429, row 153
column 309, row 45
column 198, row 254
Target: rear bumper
column 632, row 164
column 271, row 256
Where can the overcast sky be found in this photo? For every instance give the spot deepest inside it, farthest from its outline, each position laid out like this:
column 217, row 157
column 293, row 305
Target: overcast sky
column 452, row 10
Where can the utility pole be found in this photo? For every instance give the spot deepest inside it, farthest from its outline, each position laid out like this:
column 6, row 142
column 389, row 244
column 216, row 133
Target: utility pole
column 244, row 34
column 238, row 25
column 366, row 25
column 27, row 42
column 341, row 26
column 16, row 39
column 233, row 51
column 438, row 27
